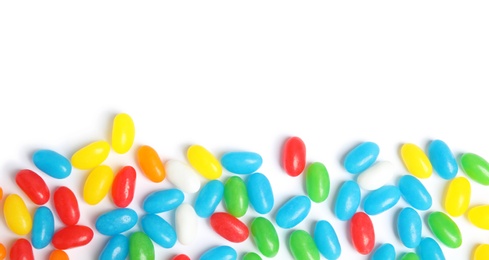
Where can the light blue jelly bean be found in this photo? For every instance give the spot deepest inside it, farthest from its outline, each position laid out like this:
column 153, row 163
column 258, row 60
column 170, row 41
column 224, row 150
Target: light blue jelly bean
column 220, row 253
column 42, row 227
column 52, row 163
column 347, row 200
column 260, row 193
column 159, row 230
column 209, row 198
column 414, row 192
column 428, row 249
column 381, row 199
column 409, row 227
column 293, row 211
column 326, row 240
column 116, row 221
column 442, row 159
column 117, row 248
column 241, row 162
column 163, row 200
column 361, row 157
column 384, row 252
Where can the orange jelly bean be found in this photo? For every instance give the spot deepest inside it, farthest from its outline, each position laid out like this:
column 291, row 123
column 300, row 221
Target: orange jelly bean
column 3, row 251
column 58, row 255
column 150, row 163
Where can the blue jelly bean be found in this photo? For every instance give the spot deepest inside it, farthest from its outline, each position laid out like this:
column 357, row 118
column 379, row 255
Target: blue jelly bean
column 381, row 199
column 428, row 249
column 260, row 193
column 52, row 163
column 442, row 159
column 384, row 252
column 241, row 162
column 293, row 211
column 209, row 198
column 409, row 227
column 159, row 230
column 347, row 200
column 116, row 221
column 414, row 192
column 163, row 200
column 326, row 240
column 42, row 227
column 117, row 248
column 361, row 157
column 220, row 253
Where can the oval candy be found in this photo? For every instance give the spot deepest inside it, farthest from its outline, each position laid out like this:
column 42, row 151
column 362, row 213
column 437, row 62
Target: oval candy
column 384, row 252
column 159, row 230
column 123, row 186
column 445, row 229
column 220, row 252
column 17, row 215
column 326, row 240
column 229, row 227
column 42, row 227
column 251, row 256
column 479, row 216
column 410, row 256
column 235, row 196
column 186, row 224
column 381, row 199
column 414, row 192
column 457, row 196
column 260, row 194
column 429, row 249
column 347, row 200
column 163, row 200
column 97, row 184
column 294, row 156
column 317, row 182
column 3, row 252
column 181, row 257
column 302, row 246
column 123, row 132
column 22, row 250
column 72, row 236
column 265, row 236
column 204, row 162
column 52, row 163
column 376, row 176
column 33, row 186
column 442, row 159
column 209, row 198
column 362, row 233
column 416, row 161
column 293, row 211
column 150, row 163
column 116, row 221
column 409, row 227
column 182, row 175
column 481, row 252
column 117, row 248
column 476, row 167
column 57, row 254
column 141, row 246
column 361, row 157
column 91, row 155
column 242, row 162
column 66, row 205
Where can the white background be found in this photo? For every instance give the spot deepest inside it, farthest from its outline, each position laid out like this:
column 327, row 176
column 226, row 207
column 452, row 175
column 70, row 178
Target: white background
column 245, row 76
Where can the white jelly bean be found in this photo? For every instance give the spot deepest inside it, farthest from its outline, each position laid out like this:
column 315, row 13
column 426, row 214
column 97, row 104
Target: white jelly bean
column 186, row 223
column 182, row 175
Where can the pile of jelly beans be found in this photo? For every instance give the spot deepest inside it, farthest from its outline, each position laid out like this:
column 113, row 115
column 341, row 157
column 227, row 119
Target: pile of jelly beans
column 237, row 194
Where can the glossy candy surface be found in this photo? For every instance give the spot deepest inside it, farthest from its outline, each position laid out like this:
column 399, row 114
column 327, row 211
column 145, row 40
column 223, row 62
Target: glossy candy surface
column 481, row 252
column 66, row 205
column 414, row 192
column 235, row 196
column 150, row 163
column 384, row 252
column 116, row 221
column 141, row 247
column 229, row 227
column 361, row 157
column 72, row 236
column 347, row 200
column 52, row 163
column 42, row 227
column 181, row 257
column 251, row 256
column 3, row 252
column 260, row 194
column 326, row 240
column 159, row 230
column 445, row 229
column 182, row 175
column 293, row 211
column 265, row 236
column 17, row 216
column 416, row 161
column 476, row 167
column 123, row 186
column 409, row 227
column 163, row 200
column 409, row 256
column 479, row 216
column 186, row 224
column 117, row 248
column 209, row 198
column 97, row 184
column 241, row 162
column 294, row 156
column 381, row 199
column 57, row 254
column 204, row 162
column 428, row 249
column 457, row 196
column 220, row 253
column 91, row 155
column 21, row 250
column 302, row 246
column 317, row 182
column 442, row 159
column 123, row 132
column 362, row 233
column 33, row 186
column 376, row 176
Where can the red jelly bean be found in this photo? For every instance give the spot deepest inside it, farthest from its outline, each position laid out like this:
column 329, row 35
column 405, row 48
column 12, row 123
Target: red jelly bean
column 181, row 257
column 362, row 233
column 294, row 156
column 66, row 206
column 33, row 186
column 123, row 186
column 229, row 227
column 21, row 250
column 72, row 236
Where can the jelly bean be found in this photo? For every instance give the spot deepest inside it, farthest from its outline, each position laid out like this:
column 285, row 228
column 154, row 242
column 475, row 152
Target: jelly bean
column 220, row 253
column 42, row 228
column 52, row 163
column 16, row 215
column 416, row 161
column 362, row 233
column 229, row 227
column 141, row 247
column 235, row 196
column 33, row 186
column 479, row 216
column 123, row 132
column 91, row 155
column 302, row 246
column 361, row 157
column 123, row 186
column 241, row 162
column 381, row 199
column 58, row 255
column 72, row 236
column 3, row 252
column 151, row 164
column 414, row 192
column 182, row 176
column 185, row 224
column 21, row 250
column 181, row 257
column 209, row 198
column 293, row 212
column 347, row 200
column 117, row 248
column 481, row 252
column 1, row 193
column 442, row 159
column 265, row 236
column 476, row 167
column 204, row 162
column 457, row 196
column 376, row 176
column 66, row 205
column 160, row 231
column 116, row 221
column 445, row 229
column 251, row 256
column 326, row 240
column 260, row 193
column 97, row 184
column 384, row 252
column 163, row 200
column 428, row 249
column 294, row 156
column 317, row 182
column 409, row 227
column 409, row 256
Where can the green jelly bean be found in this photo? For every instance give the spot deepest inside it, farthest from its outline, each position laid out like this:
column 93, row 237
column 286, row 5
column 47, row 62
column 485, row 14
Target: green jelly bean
column 302, row 246
column 251, row 256
column 445, row 229
column 141, row 247
column 476, row 167
column 235, row 196
column 265, row 236
column 409, row 256
column 317, row 182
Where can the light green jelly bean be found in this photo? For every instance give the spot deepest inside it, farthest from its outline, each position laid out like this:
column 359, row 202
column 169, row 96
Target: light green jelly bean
column 251, row 256
column 445, row 229
column 409, row 256
column 302, row 246
column 476, row 167
column 265, row 236
column 141, row 247
column 235, row 196
column 317, row 182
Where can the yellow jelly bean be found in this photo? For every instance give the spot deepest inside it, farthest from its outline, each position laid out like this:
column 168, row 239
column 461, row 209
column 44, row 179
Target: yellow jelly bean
column 123, row 132
column 416, row 161
column 481, row 252
column 3, row 252
column 16, row 215
column 204, row 162
column 91, row 155
column 457, row 196
column 98, row 184
column 479, row 216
